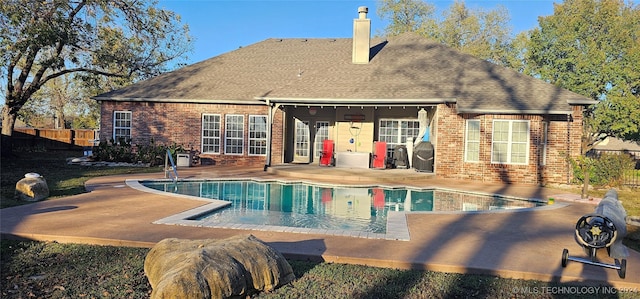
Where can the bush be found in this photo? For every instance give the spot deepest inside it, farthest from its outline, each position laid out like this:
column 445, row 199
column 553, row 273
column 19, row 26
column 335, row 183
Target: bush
column 611, row 168
column 114, row 151
column 607, row 169
column 151, row 153
column 123, row 151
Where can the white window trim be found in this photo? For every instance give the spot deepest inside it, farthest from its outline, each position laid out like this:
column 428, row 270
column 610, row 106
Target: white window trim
column 510, row 142
column 117, row 127
column 226, row 139
column 219, row 134
column 399, row 132
column 467, row 141
column 259, row 139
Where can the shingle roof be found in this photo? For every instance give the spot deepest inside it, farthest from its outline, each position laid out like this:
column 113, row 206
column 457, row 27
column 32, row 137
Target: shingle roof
column 406, row 67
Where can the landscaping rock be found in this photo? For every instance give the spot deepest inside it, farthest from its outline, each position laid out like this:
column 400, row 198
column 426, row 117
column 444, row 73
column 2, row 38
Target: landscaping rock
column 237, row 266
column 32, row 187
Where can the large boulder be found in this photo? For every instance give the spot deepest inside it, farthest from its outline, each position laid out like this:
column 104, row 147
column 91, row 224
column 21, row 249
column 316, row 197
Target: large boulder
column 32, row 187
column 237, row 266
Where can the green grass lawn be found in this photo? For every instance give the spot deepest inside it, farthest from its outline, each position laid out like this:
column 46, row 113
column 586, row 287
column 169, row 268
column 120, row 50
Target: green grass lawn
column 54, row 270
column 63, row 179
column 51, row 270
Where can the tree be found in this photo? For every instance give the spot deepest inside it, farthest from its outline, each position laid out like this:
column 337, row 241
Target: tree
column 46, row 39
column 67, row 101
column 407, row 16
column 592, row 47
column 483, row 34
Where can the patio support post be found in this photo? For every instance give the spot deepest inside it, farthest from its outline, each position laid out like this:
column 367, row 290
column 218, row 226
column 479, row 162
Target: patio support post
column 267, row 163
column 271, row 111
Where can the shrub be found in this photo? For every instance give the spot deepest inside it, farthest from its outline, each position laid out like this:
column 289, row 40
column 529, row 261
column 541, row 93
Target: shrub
column 151, row 153
column 123, row 151
column 611, row 168
column 114, row 151
column 607, row 169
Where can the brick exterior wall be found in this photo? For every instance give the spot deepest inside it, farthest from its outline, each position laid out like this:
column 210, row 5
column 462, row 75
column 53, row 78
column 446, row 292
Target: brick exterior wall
column 181, row 123
column 563, row 139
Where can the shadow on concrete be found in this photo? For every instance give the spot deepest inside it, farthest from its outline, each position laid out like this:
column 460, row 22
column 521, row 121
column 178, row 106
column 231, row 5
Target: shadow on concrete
column 53, row 209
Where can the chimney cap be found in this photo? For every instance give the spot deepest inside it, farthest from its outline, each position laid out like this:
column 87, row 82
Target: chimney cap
column 362, row 12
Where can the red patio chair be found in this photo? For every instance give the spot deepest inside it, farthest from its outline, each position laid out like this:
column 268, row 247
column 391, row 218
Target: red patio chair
column 326, row 155
column 380, row 155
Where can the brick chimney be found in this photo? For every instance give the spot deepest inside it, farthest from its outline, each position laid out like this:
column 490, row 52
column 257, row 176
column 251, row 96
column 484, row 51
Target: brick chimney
column 361, row 37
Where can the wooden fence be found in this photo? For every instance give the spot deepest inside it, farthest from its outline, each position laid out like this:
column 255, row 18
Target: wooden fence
column 53, row 139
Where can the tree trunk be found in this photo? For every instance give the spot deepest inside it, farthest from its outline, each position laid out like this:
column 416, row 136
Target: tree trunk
column 8, row 122
column 585, row 182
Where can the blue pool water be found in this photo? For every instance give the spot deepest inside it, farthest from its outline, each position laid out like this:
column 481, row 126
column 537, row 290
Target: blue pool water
column 305, row 205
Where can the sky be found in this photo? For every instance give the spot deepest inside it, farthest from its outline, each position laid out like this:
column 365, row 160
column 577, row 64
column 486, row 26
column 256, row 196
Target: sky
column 220, row 26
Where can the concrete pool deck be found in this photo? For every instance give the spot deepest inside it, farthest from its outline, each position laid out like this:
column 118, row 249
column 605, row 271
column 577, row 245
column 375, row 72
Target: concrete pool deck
column 521, row 245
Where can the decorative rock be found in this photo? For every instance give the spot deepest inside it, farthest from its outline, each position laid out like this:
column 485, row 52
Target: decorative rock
column 235, row 267
column 32, row 188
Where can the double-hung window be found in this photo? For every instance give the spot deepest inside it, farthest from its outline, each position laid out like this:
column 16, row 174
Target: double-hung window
column 234, row 134
column 510, row 143
column 472, row 141
column 122, row 126
column 211, row 133
column 257, row 135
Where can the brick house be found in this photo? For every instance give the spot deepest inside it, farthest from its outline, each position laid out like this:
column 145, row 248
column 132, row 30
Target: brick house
column 275, row 101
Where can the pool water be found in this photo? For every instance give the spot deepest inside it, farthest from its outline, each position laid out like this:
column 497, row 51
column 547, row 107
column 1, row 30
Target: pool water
column 304, row 205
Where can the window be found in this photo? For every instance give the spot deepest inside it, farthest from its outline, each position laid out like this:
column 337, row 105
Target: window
column 122, row 126
column 510, row 144
column 543, row 143
column 211, row 133
column 472, row 141
column 257, row 135
column 234, row 134
column 395, row 132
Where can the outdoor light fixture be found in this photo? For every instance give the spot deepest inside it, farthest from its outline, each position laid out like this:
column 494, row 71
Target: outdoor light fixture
column 313, row 111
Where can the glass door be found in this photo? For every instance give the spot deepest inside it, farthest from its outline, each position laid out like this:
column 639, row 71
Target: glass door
column 301, row 146
column 322, row 134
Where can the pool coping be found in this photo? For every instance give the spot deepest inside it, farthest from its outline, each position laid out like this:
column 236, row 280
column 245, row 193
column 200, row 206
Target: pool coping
column 397, row 227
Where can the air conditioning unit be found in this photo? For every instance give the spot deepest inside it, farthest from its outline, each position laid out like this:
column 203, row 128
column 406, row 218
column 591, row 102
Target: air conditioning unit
column 184, row 160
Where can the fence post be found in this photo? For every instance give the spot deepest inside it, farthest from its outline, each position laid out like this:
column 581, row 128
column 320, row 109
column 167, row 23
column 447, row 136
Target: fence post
column 72, row 137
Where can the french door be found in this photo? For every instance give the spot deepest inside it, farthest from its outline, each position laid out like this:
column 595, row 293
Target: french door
column 301, row 146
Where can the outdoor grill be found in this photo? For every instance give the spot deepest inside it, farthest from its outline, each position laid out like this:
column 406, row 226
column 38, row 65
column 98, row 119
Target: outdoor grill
column 605, row 228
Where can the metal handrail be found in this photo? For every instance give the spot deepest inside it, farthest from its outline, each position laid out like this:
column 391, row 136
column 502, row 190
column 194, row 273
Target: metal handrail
column 167, row 172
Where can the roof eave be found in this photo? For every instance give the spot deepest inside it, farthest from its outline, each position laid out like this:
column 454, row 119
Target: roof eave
column 514, row 111
column 356, row 102
column 198, row 101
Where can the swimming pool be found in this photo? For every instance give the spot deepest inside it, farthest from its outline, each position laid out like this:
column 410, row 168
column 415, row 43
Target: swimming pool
column 363, row 211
